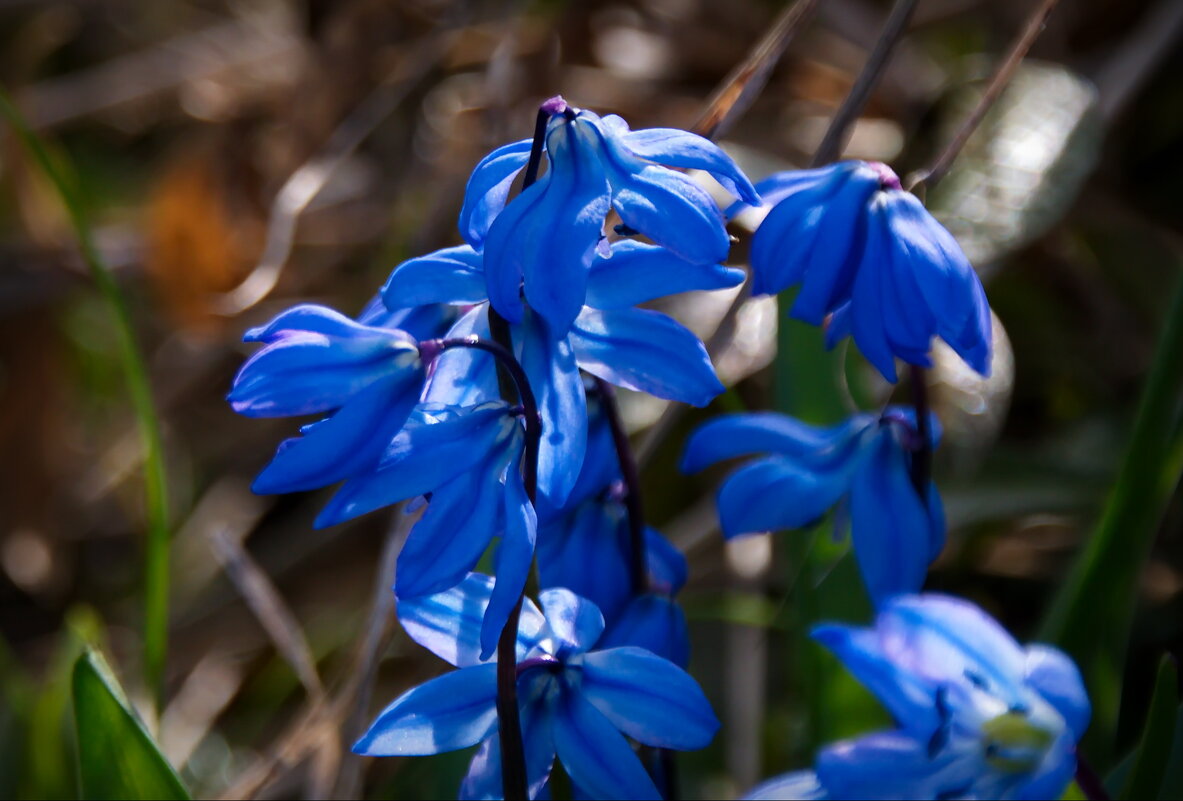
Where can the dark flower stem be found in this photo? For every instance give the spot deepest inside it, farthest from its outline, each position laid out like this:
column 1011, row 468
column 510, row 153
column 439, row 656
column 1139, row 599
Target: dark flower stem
column 922, row 456
column 1089, row 782
column 632, row 488
column 893, row 30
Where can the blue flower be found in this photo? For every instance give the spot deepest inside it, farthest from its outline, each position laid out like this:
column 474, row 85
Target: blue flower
column 577, row 702
column 977, row 715
column 869, row 253
column 315, row 360
column 634, row 348
column 866, row 460
column 546, row 239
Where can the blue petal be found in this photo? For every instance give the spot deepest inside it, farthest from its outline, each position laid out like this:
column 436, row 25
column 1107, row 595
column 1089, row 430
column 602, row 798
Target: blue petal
column 597, row 757
column 424, row 322
column 346, row 444
column 908, row 696
column 316, row 360
column 731, row 435
column 547, row 236
column 575, row 623
column 667, row 565
column 425, row 455
column 464, row 376
column 655, row 623
column 636, row 273
column 773, row 494
column 483, row 780
column 554, row 377
column 892, row 765
column 677, row 148
column 586, row 552
column 673, row 211
column 601, row 465
column 801, row 785
column 449, row 623
column 890, row 528
column 449, row 539
column 452, row 275
column 488, row 189
column 513, row 559
column 648, row 698
column 646, row 351
column 1054, row 774
column 780, row 185
column 944, row 637
column 867, row 322
column 456, row 710
column 1054, row 675
column 838, row 326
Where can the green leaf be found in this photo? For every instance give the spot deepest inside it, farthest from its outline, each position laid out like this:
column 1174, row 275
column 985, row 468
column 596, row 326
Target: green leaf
column 1090, row 617
column 1154, row 750
column 117, row 757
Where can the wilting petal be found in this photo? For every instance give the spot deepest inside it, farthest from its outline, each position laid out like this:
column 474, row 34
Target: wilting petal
column 799, row 786
column 773, row 494
column 456, row 710
column 346, row 444
column 677, row 148
column 890, row 527
column 576, row 623
column 452, row 275
column 1055, row 676
column 514, row 558
column 731, row 435
column 648, row 698
column 488, row 189
column 636, row 273
column 646, row 351
column 655, row 623
column 597, row 757
column 449, row 623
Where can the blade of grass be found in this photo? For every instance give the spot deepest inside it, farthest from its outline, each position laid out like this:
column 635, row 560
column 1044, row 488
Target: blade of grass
column 1158, row 735
column 156, row 580
column 1090, row 617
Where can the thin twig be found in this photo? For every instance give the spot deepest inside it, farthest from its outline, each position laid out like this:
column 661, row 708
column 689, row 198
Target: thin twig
column 893, row 29
column 740, row 88
column 998, row 82
column 638, row 558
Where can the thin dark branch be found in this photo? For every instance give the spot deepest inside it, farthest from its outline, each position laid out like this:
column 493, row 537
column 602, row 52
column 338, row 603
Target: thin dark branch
column 1089, row 782
column 639, row 562
column 922, row 456
column 893, row 30
column 998, row 82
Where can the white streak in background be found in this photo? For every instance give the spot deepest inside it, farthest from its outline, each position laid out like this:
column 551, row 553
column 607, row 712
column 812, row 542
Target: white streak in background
column 748, row 560
column 206, row 692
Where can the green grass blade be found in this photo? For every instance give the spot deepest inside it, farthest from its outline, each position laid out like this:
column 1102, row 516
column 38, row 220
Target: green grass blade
column 117, row 758
column 156, row 577
column 1090, row 618
column 1154, row 749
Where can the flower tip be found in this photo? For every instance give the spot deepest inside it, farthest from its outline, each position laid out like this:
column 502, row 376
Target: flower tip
column 554, row 106
column 887, row 177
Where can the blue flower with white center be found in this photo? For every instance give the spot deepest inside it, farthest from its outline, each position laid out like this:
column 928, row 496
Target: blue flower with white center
column 544, row 242
column 577, row 702
column 315, row 360
column 977, row 715
column 864, row 462
column 634, row 348
column 585, row 546
column 869, row 253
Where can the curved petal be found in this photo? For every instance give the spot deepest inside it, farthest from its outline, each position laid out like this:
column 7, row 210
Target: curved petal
column 730, row 435
column 483, row 780
column 452, row 275
column 423, row 322
column 636, row 273
column 673, row 211
column 488, row 189
column 1054, row 773
column 648, row 698
column 655, row 623
column 464, row 376
column 678, row 148
column 667, row 565
column 554, row 377
column 773, row 494
column 449, row 623
column 346, row 444
column 801, row 785
column 513, row 559
column 586, row 552
column 575, row 623
column 601, row 466
column 597, row 757
column 456, row 710
column 1054, row 675
column 890, row 528
column 646, row 351
column 892, row 765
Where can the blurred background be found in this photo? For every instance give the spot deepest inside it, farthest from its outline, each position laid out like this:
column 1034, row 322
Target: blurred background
column 238, row 157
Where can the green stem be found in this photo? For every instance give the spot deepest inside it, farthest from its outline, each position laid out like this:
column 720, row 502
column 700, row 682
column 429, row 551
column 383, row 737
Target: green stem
column 156, row 578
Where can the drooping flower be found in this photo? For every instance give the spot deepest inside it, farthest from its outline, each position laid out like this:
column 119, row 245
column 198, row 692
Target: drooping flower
column 316, row 360
column 864, row 461
column 634, row 348
column 543, row 243
column 870, row 254
column 577, row 702
column 977, row 715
